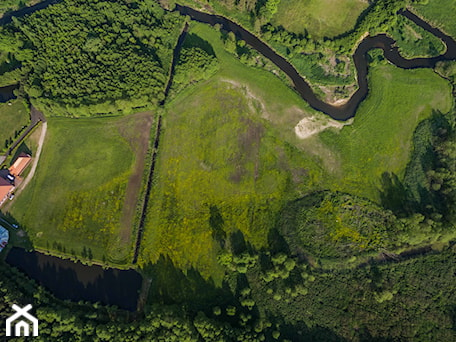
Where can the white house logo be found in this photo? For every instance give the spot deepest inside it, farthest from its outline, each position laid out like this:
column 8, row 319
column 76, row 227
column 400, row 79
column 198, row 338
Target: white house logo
column 21, row 320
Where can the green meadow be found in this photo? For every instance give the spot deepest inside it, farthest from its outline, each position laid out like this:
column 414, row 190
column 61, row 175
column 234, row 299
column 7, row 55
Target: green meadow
column 433, row 12
column 13, row 118
column 321, row 18
column 229, row 158
column 222, row 169
column 379, row 140
column 74, row 203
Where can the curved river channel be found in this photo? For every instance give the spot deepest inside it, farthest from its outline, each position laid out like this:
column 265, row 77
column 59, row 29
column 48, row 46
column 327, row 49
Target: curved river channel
column 69, row 280
column 381, row 41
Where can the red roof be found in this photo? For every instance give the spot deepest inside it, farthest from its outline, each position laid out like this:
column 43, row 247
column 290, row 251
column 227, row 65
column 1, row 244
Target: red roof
column 5, row 188
column 20, row 164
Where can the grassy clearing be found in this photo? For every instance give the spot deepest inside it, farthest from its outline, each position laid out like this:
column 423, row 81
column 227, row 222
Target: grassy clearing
column 380, row 138
column 440, row 13
column 74, row 203
column 13, row 118
column 222, row 168
column 321, row 18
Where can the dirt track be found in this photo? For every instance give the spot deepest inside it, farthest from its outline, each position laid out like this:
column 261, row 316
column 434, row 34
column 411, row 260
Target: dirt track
column 36, row 158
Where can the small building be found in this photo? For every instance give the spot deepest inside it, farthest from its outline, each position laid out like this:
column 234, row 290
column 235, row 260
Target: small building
column 20, row 164
column 5, row 189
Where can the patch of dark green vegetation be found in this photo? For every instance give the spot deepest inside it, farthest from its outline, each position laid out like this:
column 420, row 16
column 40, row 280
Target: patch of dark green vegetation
column 196, row 62
column 337, row 225
column 94, row 57
column 276, row 297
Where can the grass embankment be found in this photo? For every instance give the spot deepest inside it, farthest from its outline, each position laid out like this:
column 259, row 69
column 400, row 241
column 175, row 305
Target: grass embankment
column 440, row 13
column 380, row 138
column 13, row 118
column 222, row 168
column 321, row 18
column 76, row 204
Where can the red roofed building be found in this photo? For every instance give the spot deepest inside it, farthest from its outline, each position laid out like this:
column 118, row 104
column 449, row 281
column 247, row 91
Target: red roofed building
column 5, row 189
column 20, row 164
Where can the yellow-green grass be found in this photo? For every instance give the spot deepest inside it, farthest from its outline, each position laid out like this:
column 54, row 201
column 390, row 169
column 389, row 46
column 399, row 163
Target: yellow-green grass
column 321, row 18
column 12, row 118
column 73, row 205
column 380, row 138
column 213, row 178
column 441, row 13
column 222, row 167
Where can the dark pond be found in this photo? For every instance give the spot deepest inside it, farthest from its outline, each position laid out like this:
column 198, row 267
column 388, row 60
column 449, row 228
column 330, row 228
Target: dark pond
column 383, row 42
column 6, row 93
column 75, row 281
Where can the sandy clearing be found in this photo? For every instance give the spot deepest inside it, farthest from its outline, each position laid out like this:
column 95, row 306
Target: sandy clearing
column 312, row 125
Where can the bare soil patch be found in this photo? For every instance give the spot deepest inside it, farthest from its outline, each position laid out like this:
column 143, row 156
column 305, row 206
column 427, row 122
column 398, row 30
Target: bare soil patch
column 249, row 149
column 136, row 130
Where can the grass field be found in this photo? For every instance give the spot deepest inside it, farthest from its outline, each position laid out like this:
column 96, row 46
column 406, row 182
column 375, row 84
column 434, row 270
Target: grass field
column 321, row 18
column 222, row 168
column 444, row 19
column 379, row 140
column 75, row 203
column 229, row 157
column 13, row 118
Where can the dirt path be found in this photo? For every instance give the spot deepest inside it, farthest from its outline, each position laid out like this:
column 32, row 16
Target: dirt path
column 36, row 158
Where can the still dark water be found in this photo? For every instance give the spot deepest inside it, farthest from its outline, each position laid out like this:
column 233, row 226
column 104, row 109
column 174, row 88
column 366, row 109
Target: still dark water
column 6, row 93
column 75, row 281
column 382, row 41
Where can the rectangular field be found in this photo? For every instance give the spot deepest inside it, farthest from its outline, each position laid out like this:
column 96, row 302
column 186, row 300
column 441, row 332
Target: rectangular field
column 12, row 118
column 321, row 18
column 83, row 196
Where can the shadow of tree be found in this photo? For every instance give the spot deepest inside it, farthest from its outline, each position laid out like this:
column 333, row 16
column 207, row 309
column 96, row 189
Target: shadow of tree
column 22, row 148
column 170, row 285
column 193, row 40
column 216, row 222
column 393, row 194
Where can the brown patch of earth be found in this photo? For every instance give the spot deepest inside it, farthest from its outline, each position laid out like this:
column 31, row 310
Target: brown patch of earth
column 249, row 149
column 136, row 130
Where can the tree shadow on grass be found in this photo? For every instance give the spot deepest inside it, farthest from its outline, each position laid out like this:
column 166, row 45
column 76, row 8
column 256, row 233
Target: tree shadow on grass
column 193, row 40
column 393, row 194
column 216, row 222
column 22, row 148
column 170, row 285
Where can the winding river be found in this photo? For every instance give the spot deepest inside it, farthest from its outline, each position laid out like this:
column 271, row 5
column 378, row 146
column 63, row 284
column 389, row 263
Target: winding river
column 381, row 41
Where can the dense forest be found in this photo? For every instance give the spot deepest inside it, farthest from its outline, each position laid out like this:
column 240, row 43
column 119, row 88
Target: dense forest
column 276, row 297
column 87, row 58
